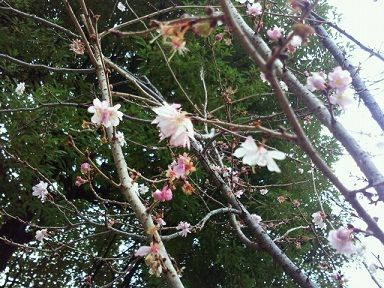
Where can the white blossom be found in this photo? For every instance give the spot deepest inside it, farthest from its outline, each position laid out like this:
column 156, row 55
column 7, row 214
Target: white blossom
column 20, row 88
column 258, row 155
column 121, row 7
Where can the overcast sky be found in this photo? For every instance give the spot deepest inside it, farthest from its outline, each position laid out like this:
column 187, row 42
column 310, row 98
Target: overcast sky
column 364, row 19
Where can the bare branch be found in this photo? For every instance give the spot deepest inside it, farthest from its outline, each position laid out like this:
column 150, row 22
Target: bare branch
column 45, row 67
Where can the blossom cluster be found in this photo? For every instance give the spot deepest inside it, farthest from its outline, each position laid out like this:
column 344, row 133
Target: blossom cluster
column 338, row 80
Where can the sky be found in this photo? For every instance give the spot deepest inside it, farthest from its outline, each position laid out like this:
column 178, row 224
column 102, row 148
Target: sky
column 364, row 19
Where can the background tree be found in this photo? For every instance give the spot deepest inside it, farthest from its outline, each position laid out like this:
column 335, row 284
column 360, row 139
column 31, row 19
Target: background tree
column 93, row 225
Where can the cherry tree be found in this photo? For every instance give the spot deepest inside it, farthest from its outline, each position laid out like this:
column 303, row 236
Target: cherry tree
column 131, row 153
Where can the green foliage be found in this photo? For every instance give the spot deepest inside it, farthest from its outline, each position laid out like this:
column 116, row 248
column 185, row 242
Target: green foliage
column 212, row 257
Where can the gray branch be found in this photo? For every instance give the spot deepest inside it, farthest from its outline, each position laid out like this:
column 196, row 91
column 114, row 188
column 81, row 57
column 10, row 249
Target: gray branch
column 49, row 68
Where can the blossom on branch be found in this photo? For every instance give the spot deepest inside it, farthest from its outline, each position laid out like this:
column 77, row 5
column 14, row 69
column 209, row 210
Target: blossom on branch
column 40, row 190
column 121, row 7
column 41, row 235
column 184, row 227
column 162, row 195
column 263, row 191
column 85, row 168
column 256, row 218
column 145, row 250
column 77, row 46
column 175, row 124
column 339, row 79
column 20, row 88
column 343, row 99
column 254, row 9
column 104, row 114
column 316, row 81
column 318, row 220
column 275, row 33
column 80, row 181
column 258, row 155
column 181, row 168
column 341, row 240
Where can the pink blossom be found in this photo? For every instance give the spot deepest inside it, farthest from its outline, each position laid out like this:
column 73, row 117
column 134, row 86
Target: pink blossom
column 316, row 81
column 274, row 33
column 80, row 181
column 256, row 218
column 41, row 235
column 344, row 98
column 254, row 9
column 258, row 155
column 164, row 194
column 145, row 250
column 104, row 114
column 178, row 45
column 40, row 190
column 85, row 168
column 318, row 220
column 341, row 240
column 175, row 124
column 77, row 46
column 339, row 79
column 184, row 227
column 181, row 168
column 160, row 221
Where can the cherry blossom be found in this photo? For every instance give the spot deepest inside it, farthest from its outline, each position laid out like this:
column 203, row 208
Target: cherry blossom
column 40, row 190
column 239, row 193
column 342, row 99
column 318, row 220
column 175, row 124
column 257, row 218
column 341, row 240
column 254, row 9
column 275, row 33
column 162, row 195
column 80, row 181
column 296, row 41
column 263, row 191
column 258, row 155
column 178, row 45
column 187, row 188
column 160, row 221
column 316, row 81
column 339, row 79
column 120, row 138
column 41, row 235
column 184, row 227
column 121, row 7
column 85, row 168
column 104, row 114
column 142, row 189
column 181, row 168
column 77, row 46
column 145, row 250
column 20, row 88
